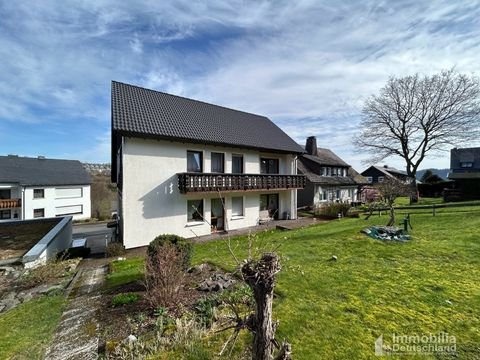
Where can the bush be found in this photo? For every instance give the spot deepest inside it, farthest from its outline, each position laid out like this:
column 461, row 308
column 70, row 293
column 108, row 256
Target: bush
column 124, row 299
column 114, row 249
column 333, row 209
column 183, row 246
column 164, row 277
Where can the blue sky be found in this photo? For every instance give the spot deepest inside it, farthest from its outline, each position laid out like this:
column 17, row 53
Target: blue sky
column 307, row 65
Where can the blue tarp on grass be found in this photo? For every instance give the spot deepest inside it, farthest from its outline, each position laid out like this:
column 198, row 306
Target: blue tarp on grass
column 386, row 233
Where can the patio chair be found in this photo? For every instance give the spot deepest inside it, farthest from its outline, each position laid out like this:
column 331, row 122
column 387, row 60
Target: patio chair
column 264, row 217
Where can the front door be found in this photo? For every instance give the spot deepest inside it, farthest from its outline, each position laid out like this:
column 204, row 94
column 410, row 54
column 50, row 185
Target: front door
column 218, row 215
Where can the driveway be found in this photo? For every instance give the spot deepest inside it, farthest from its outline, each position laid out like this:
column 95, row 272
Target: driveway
column 97, row 235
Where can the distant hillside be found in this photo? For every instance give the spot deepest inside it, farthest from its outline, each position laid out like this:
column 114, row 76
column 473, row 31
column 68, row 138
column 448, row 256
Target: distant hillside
column 440, row 172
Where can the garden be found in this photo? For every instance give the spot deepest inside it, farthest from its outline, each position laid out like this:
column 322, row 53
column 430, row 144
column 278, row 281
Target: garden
column 337, row 292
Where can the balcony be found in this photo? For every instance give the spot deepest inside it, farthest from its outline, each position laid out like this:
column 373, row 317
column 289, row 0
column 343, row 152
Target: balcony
column 10, row 203
column 207, row 182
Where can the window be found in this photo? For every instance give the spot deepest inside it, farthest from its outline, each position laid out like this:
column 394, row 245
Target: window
column 38, row 193
column 38, row 213
column 5, row 194
column 323, row 171
column 268, row 166
column 466, row 164
column 329, row 171
column 195, row 210
column 218, row 162
column 369, row 179
column 194, row 161
column 68, row 210
column 270, row 202
column 237, row 164
column 68, row 193
column 380, row 179
column 237, row 206
column 5, row 214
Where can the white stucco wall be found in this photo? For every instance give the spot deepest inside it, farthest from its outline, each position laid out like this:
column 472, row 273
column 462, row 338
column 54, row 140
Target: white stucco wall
column 52, row 204
column 152, row 204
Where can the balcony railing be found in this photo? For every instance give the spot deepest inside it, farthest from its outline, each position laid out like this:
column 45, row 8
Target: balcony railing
column 207, row 182
column 10, row 203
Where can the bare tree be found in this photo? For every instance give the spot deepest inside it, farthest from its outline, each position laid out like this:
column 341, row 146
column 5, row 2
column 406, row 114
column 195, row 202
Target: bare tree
column 390, row 189
column 414, row 116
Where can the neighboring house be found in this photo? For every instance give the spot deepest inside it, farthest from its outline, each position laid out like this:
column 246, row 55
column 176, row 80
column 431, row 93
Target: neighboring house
column 465, row 171
column 190, row 168
column 43, row 188
column 377, row 174
column 329, row 178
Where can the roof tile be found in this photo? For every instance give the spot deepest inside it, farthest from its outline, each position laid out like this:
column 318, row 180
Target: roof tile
column 143, row 112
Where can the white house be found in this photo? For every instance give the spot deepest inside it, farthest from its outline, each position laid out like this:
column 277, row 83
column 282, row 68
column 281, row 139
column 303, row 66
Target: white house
column 190, row 168
column 329, row 178
column 43, row 188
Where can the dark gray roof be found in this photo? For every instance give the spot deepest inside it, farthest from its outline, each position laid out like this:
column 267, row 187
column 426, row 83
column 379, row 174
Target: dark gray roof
column 388, row 170
column 42, row 172
column 326, row 157
column 142, row 112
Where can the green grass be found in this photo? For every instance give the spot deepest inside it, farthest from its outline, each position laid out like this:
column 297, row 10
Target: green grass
column 336, row 310
column 405, row 201
column 27, row 329
column 124, row 299
column 125, row 271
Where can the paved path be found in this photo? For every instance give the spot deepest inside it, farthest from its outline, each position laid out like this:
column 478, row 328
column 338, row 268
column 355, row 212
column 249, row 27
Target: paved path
column 76, row 335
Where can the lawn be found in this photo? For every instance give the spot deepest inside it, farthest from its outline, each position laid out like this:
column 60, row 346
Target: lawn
column 337, row 309
column 123, row 272
column 27, row 329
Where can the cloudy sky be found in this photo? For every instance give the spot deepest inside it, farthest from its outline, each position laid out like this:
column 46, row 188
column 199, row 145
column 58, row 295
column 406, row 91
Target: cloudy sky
column 307, row 65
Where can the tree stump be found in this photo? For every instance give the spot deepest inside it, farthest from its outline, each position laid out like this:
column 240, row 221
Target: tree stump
column 260, row 276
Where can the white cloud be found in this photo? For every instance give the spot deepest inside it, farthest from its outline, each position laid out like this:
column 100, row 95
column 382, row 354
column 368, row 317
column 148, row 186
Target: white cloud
column 308, row 62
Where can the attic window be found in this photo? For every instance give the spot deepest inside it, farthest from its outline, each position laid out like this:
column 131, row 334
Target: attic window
column 466, row 164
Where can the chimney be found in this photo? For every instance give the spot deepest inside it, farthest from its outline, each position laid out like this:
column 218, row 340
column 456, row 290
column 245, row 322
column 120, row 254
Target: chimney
column 311, row 146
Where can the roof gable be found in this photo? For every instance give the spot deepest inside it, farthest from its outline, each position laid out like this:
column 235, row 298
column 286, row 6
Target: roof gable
column 142, row 112
column 326, row 157
column 42, row 172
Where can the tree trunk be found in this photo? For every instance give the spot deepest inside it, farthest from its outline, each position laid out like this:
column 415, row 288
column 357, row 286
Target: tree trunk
column 264, row 334
column 413, row 189
column 391, row 222
column 260, row 276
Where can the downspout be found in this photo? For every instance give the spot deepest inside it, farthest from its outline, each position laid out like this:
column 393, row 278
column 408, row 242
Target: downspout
column 23, row 203
column 294, row 208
